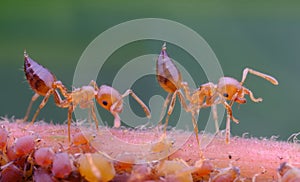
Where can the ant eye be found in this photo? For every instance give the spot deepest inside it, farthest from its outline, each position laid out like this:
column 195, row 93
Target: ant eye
column 225, row 95
column 104, row 103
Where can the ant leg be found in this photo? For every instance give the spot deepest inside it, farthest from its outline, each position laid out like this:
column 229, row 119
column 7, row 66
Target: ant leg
column 145, row 108
column 70, row 111
column 117, row 120
column 182, row 100
column 196, row 131
column 61, row 87
column 262, row 75
column 166, row 103
column 215, row 116
column 187, row 92
column 192, row 110
column 94, row 116
column 229, row 116
column 227, row 134
column 170, row 110
column 229, row 112
column 43, row 103
column 59, row 102
column 94, row 84
column 247, row 91
column 34, row 97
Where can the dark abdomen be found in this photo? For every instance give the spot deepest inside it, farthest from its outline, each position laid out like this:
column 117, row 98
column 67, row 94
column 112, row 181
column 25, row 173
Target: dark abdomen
column 39, row 78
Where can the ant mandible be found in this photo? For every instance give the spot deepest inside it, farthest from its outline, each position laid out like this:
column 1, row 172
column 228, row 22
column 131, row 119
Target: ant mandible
column 170, row 79
column 228, row 88
column 44, row 83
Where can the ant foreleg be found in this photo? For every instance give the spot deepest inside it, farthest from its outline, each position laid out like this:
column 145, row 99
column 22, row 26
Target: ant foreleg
column 247, row 91
column 262, row 75
column 145, row 108
column 227, row 134
column 215, row 116
column 94, row 116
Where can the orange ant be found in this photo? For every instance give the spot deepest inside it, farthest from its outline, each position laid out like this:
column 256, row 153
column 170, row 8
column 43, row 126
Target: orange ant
column 209, row 95
column 44, row 83
column 170, row 79
column 108, row 98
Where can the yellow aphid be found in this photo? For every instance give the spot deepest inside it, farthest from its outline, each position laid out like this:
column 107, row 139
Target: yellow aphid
column 177, row 170
column 96, row 167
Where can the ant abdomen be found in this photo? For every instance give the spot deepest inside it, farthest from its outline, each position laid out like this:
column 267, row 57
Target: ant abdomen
column 39, row 78
column 167, row 73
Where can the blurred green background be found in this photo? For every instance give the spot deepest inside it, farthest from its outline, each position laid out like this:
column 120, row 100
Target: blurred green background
column 259, row 34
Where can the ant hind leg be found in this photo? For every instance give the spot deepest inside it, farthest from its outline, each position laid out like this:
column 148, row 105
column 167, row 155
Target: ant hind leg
column 170, row 110
column 43, row 103
column 34, row 97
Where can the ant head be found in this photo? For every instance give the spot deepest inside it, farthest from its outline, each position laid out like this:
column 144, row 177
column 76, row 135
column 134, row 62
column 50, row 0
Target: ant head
column 107, row 96
column 228, row 87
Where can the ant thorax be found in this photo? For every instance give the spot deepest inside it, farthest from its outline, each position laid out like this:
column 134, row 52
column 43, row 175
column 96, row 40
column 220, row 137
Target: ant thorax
column 83, row 96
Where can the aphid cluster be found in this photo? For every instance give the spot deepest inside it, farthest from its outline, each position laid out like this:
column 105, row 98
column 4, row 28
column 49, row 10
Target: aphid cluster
column 29, row 158
column 26, row 159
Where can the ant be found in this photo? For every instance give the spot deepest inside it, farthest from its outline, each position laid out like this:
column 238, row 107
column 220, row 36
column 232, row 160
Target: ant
column 106, row 96
column 170, row 79
column 228, row 88
column 44, row 83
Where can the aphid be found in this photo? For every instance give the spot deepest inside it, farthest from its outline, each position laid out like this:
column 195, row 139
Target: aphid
column 175, row 170
column 44, row 156
column 288, row 173
column 124, row 162
column 141, row 172
column 227, row 175
column 79, row 139
column 203, row 169
column 43, row 83
column 61, row 167
column 209, row 95
column 41, row 175
column 3, row 139
column 24, row 145
column 170, row 79
column 96, row 167
column 11, row 173
column 163, row 145
column 10, row 153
